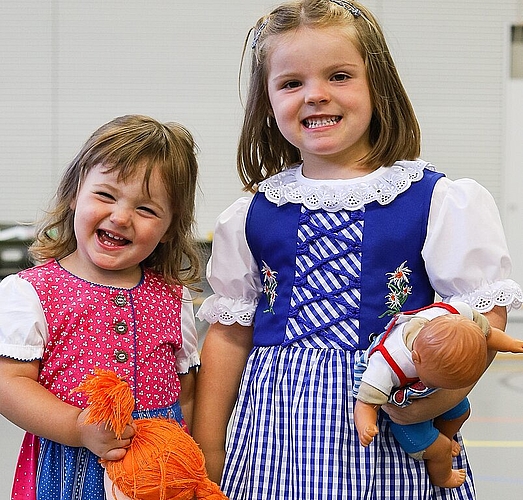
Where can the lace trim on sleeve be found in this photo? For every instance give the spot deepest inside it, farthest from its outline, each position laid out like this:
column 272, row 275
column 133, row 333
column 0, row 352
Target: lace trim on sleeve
column 286, row 187
column 506, row 293
column 192, row 361
column 227, row 311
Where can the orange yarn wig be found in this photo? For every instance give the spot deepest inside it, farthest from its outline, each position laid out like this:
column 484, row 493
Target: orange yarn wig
column 163, row 461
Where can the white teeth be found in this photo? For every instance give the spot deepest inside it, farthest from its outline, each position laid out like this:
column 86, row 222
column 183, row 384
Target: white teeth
column 114, row 237
column 321, row 122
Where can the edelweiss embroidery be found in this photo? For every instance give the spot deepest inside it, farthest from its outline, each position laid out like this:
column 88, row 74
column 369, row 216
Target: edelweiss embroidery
column 269, row 286
column 399, row 289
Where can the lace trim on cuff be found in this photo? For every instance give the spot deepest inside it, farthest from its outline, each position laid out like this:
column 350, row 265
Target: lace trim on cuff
column 227, row 311
column 184, row 365
column 506, row 293
column 21, row 353
column 286, row 187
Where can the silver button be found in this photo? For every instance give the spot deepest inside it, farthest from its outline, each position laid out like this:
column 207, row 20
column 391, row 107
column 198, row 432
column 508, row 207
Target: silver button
column 120, row 327
column 121, row 356
column 120, row 300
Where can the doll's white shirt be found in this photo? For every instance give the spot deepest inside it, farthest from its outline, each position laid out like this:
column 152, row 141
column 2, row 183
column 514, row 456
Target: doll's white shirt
column 379, row 374
column 24, row 333
column 462, row 263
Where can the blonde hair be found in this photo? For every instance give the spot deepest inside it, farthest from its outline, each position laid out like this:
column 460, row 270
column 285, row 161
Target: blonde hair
column 394, row 129
column 454, row 348
column 131, row 144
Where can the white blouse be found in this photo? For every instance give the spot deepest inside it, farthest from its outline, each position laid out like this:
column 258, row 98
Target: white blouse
column 24, row 333
column 462, row 263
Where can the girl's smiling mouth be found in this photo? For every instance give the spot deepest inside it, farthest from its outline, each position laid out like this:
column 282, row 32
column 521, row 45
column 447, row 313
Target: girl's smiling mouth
column 321, row 121
column 111, row 239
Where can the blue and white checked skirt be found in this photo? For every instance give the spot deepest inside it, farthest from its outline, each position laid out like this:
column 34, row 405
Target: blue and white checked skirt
column 292, row 436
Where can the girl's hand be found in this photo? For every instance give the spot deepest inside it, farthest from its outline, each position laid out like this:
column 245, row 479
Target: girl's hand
column 103, row 441
column 426, row 408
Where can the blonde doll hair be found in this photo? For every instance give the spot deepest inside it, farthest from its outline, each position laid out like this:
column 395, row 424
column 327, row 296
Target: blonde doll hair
column 394, row 129
column 131, row 144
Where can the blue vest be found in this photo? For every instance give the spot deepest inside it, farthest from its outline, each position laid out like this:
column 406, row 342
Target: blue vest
column 392, row 234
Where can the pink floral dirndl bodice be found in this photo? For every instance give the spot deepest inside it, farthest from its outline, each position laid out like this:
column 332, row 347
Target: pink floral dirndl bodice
column 134, row 332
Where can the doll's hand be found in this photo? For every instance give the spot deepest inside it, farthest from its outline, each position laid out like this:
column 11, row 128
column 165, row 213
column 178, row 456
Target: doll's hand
column 517, row 346
column 101, row 440
column 368, row 434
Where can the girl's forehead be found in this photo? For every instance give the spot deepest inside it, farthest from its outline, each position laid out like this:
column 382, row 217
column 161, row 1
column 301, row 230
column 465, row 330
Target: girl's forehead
column 118, row 174
column 315, row 38
column 126, row 171
column 324, row 45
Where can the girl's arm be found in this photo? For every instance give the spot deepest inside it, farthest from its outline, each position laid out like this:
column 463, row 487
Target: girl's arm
column 497, row 317
column 426, row 408
column 476, row 271
column 439, row 402
column 32, row 407
column 223, row 358
column 188, row 382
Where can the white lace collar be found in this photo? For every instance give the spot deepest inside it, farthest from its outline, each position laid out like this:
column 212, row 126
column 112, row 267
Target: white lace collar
column 383, row 185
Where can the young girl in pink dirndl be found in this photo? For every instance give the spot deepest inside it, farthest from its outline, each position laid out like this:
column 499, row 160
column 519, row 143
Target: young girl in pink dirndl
column 117, row 255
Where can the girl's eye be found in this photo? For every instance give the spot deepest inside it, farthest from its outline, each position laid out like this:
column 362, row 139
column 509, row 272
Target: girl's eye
column 292, row 85
column 340, row 77
column 105, row 195
column 147, row 210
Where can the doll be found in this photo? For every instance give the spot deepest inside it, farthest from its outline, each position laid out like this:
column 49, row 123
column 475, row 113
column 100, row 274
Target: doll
column 441, row 346
column 163, row 462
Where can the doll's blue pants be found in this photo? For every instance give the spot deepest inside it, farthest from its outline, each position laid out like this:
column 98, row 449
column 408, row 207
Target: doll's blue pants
column 415, row 438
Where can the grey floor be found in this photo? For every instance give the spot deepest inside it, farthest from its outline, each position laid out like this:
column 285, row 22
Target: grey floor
column 494, row 432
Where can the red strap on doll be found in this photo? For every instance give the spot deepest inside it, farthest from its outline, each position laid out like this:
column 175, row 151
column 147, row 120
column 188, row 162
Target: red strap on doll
column 404, row 380
column 442, row 305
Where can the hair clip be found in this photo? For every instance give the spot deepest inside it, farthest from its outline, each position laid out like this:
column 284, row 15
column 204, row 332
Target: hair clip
column 258, row 33
column 348, row 6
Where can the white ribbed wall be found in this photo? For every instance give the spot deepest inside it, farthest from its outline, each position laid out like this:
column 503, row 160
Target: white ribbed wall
column 67, row 66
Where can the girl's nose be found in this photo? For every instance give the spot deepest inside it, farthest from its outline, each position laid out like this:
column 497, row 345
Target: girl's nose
column 317, row 94
column 121, row 216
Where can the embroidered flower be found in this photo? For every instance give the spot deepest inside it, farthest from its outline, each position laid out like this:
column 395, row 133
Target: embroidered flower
column 399, row 289
column 269, row 286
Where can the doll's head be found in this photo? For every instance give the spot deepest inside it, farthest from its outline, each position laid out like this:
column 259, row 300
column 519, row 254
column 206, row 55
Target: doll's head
column 394, row 130
column 450, row 352
column 132, row 145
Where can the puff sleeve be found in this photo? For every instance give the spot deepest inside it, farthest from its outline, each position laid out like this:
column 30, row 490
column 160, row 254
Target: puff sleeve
column 23, row 329
column 232, row 271
column 188, row 356
column 466, row 252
